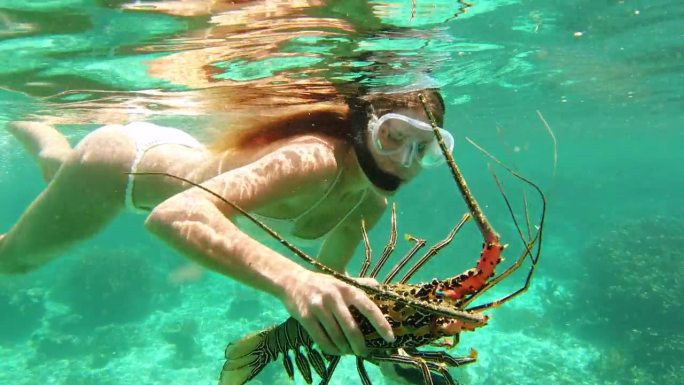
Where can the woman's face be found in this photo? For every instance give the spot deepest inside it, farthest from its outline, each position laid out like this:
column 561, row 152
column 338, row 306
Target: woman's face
column 398, row 147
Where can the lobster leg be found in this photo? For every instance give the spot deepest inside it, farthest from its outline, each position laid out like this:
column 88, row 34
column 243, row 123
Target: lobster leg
column 428, row 361
column 443, row 372
column 332, row 365
column 434, row 363
column 435, row 249
column 316, row 361
column 365, row 380
column 391, row 244
column 441, row 357
column 369, row 251
column 419, row 244
column 303, row 365
column 287, row 364
column 419, row 363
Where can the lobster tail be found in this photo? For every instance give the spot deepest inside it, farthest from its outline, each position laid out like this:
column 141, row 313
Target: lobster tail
column 246, row 358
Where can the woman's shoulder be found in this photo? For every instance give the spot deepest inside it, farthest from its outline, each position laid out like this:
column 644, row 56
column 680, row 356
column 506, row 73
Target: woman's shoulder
column 309, row 151
column 315, row 138
column 318, row 143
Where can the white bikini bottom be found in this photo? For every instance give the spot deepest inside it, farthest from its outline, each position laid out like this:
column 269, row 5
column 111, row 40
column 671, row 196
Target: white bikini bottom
column 145, row 136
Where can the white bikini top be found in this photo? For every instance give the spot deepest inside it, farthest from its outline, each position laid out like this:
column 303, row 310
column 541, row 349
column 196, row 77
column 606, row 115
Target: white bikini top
column 285, row 226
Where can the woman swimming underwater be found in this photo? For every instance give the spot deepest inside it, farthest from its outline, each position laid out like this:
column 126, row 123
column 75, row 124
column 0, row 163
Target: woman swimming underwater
column 320, row 167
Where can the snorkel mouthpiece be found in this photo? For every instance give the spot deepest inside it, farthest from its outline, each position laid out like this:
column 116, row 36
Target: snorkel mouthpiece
column 360, row 114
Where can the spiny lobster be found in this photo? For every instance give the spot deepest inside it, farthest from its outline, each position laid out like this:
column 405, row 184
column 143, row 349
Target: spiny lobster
column 420, row 314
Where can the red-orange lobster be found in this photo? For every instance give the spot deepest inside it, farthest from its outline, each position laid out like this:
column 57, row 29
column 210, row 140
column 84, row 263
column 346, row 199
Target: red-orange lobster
column 420, row 314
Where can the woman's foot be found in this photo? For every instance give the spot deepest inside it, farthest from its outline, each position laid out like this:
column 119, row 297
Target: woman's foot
column 45, row 144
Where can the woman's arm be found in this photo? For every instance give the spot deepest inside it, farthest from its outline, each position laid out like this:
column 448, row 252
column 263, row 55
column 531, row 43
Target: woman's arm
column 197, row 224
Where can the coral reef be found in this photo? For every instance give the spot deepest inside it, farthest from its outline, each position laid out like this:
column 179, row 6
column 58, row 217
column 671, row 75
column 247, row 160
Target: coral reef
column 181, row 334
column 113, row 287
column 50, row 346
column 109, row 343
column 22, row 311
column 97, row 348
column 246, row 305
column 88, row 378
column 629, row 298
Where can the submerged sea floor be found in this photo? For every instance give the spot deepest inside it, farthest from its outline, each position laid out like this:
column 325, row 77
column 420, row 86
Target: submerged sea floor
column 108, row 314
column 178, row 333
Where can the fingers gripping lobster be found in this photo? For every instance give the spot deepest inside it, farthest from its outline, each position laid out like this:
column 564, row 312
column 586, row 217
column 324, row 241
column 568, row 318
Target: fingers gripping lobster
column 420, row 314
column 412, row 326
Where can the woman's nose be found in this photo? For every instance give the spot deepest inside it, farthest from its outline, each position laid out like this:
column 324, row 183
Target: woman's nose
column 409, row 154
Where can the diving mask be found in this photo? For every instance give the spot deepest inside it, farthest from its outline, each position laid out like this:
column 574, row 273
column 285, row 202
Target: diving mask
column 411, row 138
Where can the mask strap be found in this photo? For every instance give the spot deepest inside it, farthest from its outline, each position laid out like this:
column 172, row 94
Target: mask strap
column 359, row 114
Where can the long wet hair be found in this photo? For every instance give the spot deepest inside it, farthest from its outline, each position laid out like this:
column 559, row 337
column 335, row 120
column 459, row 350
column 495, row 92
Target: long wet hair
column 266, row 119
column 255, row 110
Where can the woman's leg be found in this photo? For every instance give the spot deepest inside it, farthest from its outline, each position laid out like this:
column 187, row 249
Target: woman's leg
column 45, row 144
column 84, row 195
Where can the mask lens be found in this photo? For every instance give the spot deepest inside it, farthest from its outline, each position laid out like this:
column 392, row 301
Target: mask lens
column 390, row 136
column 433, row 155
column 394, row 133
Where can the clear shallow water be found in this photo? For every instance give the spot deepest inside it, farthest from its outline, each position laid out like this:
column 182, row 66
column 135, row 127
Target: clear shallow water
column 605, row 306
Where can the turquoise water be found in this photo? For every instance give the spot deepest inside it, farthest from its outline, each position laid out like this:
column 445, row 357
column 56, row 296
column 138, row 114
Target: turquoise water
column 605, row 304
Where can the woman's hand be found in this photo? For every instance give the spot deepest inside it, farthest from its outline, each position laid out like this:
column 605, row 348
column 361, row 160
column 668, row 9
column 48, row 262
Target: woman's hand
column 321, row 304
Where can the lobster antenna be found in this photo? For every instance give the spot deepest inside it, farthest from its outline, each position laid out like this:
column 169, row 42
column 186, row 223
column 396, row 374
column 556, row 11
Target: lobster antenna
column 555, row 142
column 457, row 314
column 509, row 207
column 520, row 177
column 528, row 245
column 485, row 227
column 463, row 6
column 528, row 222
